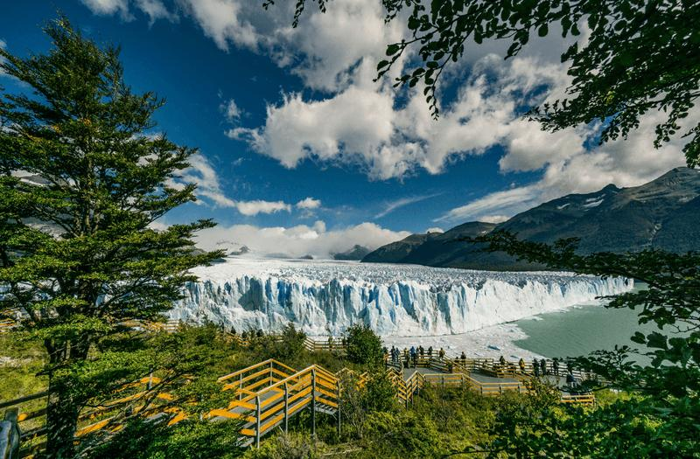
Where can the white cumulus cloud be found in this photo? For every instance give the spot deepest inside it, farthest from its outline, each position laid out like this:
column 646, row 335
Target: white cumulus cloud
column 308, row 204
column 154, row 9
column 251, row 208
column 298, row 241
column 625, row 163
column 108, row 7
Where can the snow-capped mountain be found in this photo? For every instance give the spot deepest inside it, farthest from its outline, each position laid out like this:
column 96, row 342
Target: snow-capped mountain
column 661, row 214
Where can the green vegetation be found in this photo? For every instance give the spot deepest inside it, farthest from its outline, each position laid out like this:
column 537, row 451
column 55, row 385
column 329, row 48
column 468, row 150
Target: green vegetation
column 101, row 178
column 663, row 417
column 440, row 421
column 97, row 178
column 363, row 346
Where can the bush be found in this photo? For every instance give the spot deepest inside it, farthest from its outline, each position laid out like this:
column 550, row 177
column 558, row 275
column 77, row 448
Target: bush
column 402, row 435
column 363, row 346
column 142, row 439
column 285, row 446
column 378, row 394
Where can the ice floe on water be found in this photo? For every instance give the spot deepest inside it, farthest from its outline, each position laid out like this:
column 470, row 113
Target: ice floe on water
column 395, row 300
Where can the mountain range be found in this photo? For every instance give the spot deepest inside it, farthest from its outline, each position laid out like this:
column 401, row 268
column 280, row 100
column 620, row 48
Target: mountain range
column 662, row 214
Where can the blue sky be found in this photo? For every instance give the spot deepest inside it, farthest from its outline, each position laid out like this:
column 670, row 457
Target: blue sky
column 301, row 152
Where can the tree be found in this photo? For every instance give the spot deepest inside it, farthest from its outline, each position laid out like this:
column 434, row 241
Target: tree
column 639, row 55
column 83, row 176
column 363, row 346
column 662, row 418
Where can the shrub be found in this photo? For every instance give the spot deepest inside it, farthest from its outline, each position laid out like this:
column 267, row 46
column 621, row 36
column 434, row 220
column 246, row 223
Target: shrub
column 363, row 346
column 403, row 434
column 142, row 439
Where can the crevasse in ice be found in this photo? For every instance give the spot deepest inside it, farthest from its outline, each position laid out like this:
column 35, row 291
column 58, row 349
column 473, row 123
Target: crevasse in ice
column 402, row 300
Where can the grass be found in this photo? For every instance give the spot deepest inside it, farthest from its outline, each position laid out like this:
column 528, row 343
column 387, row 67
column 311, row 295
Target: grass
column 21, row 359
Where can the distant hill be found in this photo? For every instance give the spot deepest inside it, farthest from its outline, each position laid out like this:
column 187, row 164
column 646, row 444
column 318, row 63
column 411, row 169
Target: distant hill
column 358, row 252
column 664, row 214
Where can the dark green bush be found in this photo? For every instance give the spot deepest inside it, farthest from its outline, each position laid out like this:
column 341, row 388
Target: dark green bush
column 363, row 346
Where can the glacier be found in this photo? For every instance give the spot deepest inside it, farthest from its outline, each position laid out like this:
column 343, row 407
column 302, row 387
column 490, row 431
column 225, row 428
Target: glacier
column 326, row 297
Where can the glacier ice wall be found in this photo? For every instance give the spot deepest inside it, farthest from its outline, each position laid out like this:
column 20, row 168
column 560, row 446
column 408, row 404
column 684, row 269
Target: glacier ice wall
column 401, row 300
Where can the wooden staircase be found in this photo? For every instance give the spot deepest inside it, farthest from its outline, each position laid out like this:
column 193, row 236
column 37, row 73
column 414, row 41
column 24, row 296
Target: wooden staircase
column 269, row 393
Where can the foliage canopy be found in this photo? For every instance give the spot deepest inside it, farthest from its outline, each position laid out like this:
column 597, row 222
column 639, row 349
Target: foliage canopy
column 82, row 177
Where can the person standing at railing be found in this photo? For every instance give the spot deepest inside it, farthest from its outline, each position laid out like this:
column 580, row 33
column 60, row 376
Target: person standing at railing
column 463, row 358
column 441, row 354
column 521, row 363
column 421, row 351
column 555, row 366
column 502, row 361
column 543, row 367
column 536, row 367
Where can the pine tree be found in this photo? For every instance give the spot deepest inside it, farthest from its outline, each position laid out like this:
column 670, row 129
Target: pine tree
column 82, row 177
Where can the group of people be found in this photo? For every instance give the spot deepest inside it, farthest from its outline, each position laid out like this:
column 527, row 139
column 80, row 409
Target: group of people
column 410, row 358
column 412, row 355
column 540, row 368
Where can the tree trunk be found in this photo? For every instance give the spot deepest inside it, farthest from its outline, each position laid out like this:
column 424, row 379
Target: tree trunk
column 63, row 407
column 61, row 422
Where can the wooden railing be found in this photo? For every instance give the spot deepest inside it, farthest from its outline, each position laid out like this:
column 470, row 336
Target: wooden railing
column 138, row 395
column 583, row 399
column 266, row 395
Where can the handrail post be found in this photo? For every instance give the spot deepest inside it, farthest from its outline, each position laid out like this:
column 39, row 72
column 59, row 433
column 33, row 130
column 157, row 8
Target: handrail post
column 286, row 408
column 257, row 421
column 240, row 386
column 10, row 434
column 313, row 403
column 337, row 400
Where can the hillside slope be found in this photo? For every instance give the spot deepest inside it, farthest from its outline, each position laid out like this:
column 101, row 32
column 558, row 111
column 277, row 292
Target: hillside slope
column 663, row 214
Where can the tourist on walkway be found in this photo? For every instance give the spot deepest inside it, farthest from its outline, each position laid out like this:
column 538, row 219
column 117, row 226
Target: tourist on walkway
column 502, row 361
column 521, row 363
column 543, row 366
column 555, row 366
column 421, row 351
column 571, row 381
column 536, row 367
column 430, row 351
column 441, row 354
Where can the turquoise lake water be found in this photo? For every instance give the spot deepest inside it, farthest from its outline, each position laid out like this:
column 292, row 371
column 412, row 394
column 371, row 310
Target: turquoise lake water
column 579, row 331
